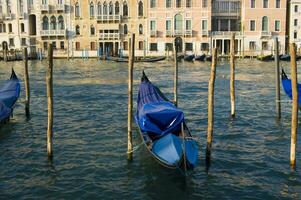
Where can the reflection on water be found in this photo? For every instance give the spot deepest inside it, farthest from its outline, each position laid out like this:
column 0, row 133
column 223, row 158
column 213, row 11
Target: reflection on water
column 250, row 153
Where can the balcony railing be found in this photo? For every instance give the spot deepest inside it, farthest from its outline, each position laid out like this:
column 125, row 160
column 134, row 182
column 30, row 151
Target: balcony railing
column 265, row 34
column 188, row 32
column 153, row 33
column 45, row 7
column 178, row 33
column 21, row 15
column 60, row 7
column 168, row 33
column 53, row 33
column 8, row 16
column 109, row 36
column 108, row 17
column 225, row 33
column 205, row 33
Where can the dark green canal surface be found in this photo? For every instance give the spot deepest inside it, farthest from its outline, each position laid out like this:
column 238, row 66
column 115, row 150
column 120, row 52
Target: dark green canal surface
column 250, row 158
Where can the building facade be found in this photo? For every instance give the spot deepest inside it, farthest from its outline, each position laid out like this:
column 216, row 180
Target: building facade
column 295, row 23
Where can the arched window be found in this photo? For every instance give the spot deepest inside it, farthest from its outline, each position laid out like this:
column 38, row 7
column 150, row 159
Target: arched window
column 125, row 9
column 99, row 9
column 105, row 8
column 188, row 3
column 140, row 29
column 92, row 9
column 110, row 8
column 264, row 23
column 168, row 3
column 125, row 29
column 53, row 23
column 152, row 3
column 61, row 22
column 92, row 30
column 21, row 7
column 140, row 9
column 116, row 8
column 45, row 23
column 77, row 30
column 22, row 28
column 0, row 28
column 77, row 10
column 178, row 22
column 178, row 3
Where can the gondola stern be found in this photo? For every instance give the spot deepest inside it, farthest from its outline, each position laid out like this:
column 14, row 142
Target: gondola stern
column 13, row 74
column 283, row 75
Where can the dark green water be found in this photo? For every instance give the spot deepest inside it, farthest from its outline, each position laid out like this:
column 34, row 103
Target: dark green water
column 250, row 158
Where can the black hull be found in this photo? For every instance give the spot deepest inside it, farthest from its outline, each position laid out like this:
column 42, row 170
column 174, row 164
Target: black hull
column 200, row 58
column 189, row 58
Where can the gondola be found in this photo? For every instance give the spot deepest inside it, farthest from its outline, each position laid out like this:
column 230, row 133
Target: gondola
column 146, row 59
column 189, row 58
column 285, row 57
column 9, row 94
column 208, row 58
column 163, row 129
column 287, row 86
column 269, row 57
column 180, row 57
column 200, row 58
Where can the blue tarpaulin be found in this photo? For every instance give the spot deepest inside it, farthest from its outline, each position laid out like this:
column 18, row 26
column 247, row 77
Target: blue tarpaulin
column 287, row 86
column 155, row 113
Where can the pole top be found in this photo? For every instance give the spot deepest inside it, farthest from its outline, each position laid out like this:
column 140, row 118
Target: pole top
column 178, row 42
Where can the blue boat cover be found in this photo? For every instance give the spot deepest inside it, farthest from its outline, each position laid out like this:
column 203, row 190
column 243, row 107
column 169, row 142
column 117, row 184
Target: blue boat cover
column 287, row 86
column 10, row 91
column 155, row 114
column 4, row 111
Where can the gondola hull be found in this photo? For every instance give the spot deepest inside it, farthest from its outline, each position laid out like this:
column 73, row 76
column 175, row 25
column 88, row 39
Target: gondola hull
column 200, row 58
column 189, row 58
column 265, row 58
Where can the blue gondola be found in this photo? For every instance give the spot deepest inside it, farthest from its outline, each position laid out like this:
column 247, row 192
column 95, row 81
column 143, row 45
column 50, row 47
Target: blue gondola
column 287, row 86
column 9, row 94
column 163, row 128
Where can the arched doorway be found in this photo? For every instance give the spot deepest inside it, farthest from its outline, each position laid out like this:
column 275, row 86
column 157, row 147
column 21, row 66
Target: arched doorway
column 4, row 45
column 32, row 25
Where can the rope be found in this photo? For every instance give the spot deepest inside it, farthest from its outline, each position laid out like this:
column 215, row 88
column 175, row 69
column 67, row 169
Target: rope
column 136, row 148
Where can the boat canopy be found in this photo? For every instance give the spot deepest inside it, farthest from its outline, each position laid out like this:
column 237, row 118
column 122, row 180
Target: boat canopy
column 10, row 91
column 287, row 86
column 155, row 113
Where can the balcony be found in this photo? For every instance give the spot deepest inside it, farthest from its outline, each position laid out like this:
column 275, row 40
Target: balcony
column 153, row 33
column 21, row 15
column 8, row 16
column 226, row 33
column 265, row 34
column 178, row 33
column 60, row 7
column 168, row 33
column 45, row 7
column 53, row 33
column 188, row 33
column 107, row 18
column 205, row 33
column 109, row 36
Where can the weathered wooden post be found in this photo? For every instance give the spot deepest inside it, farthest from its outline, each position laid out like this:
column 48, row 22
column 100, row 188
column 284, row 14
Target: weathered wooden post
column 5, row 55
column 277, row 82
column 26, row 82
column 211, row 107
column 294, row 106
column 232, row 74
column 130, row 95
column 49, row 83
column 177, row 43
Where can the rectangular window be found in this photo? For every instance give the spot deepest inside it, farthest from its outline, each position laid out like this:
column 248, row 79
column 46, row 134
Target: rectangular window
column 204, row 3
column 168, row 3
column 204, row 25
column 168, row 47
column 152, row 3
column 252, row 25
column 188, row 3
column 62, row 45
column 140, row 45
column 188, row 47
column 252, row 3
column 54, row 45
column 77, row 46
column 295, row 22
column 10, row 28
column 153, row 47
column 264, row 45
column 188, row 24
column 265, row 3
column 93, row 46
column 23, row 41
column 204, row 46
column 296, row 8
column 168, row 25
column 277, row 25
column 11, row 42
column 152, row 25
column 125, row 45
column 277, row 3
column 252, row 45
column 295, row 35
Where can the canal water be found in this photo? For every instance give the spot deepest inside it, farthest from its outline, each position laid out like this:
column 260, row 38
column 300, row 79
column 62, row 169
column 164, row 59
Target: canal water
column 250, row 158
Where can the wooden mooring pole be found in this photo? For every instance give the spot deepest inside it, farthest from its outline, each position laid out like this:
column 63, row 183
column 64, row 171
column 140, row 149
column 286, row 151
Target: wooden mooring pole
column 211, row 107
column 49, row 83
column 26, row 82
column 294, row 106
column 277, row 81
column 177, row 43
column 232, row 74
column 130, row 95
